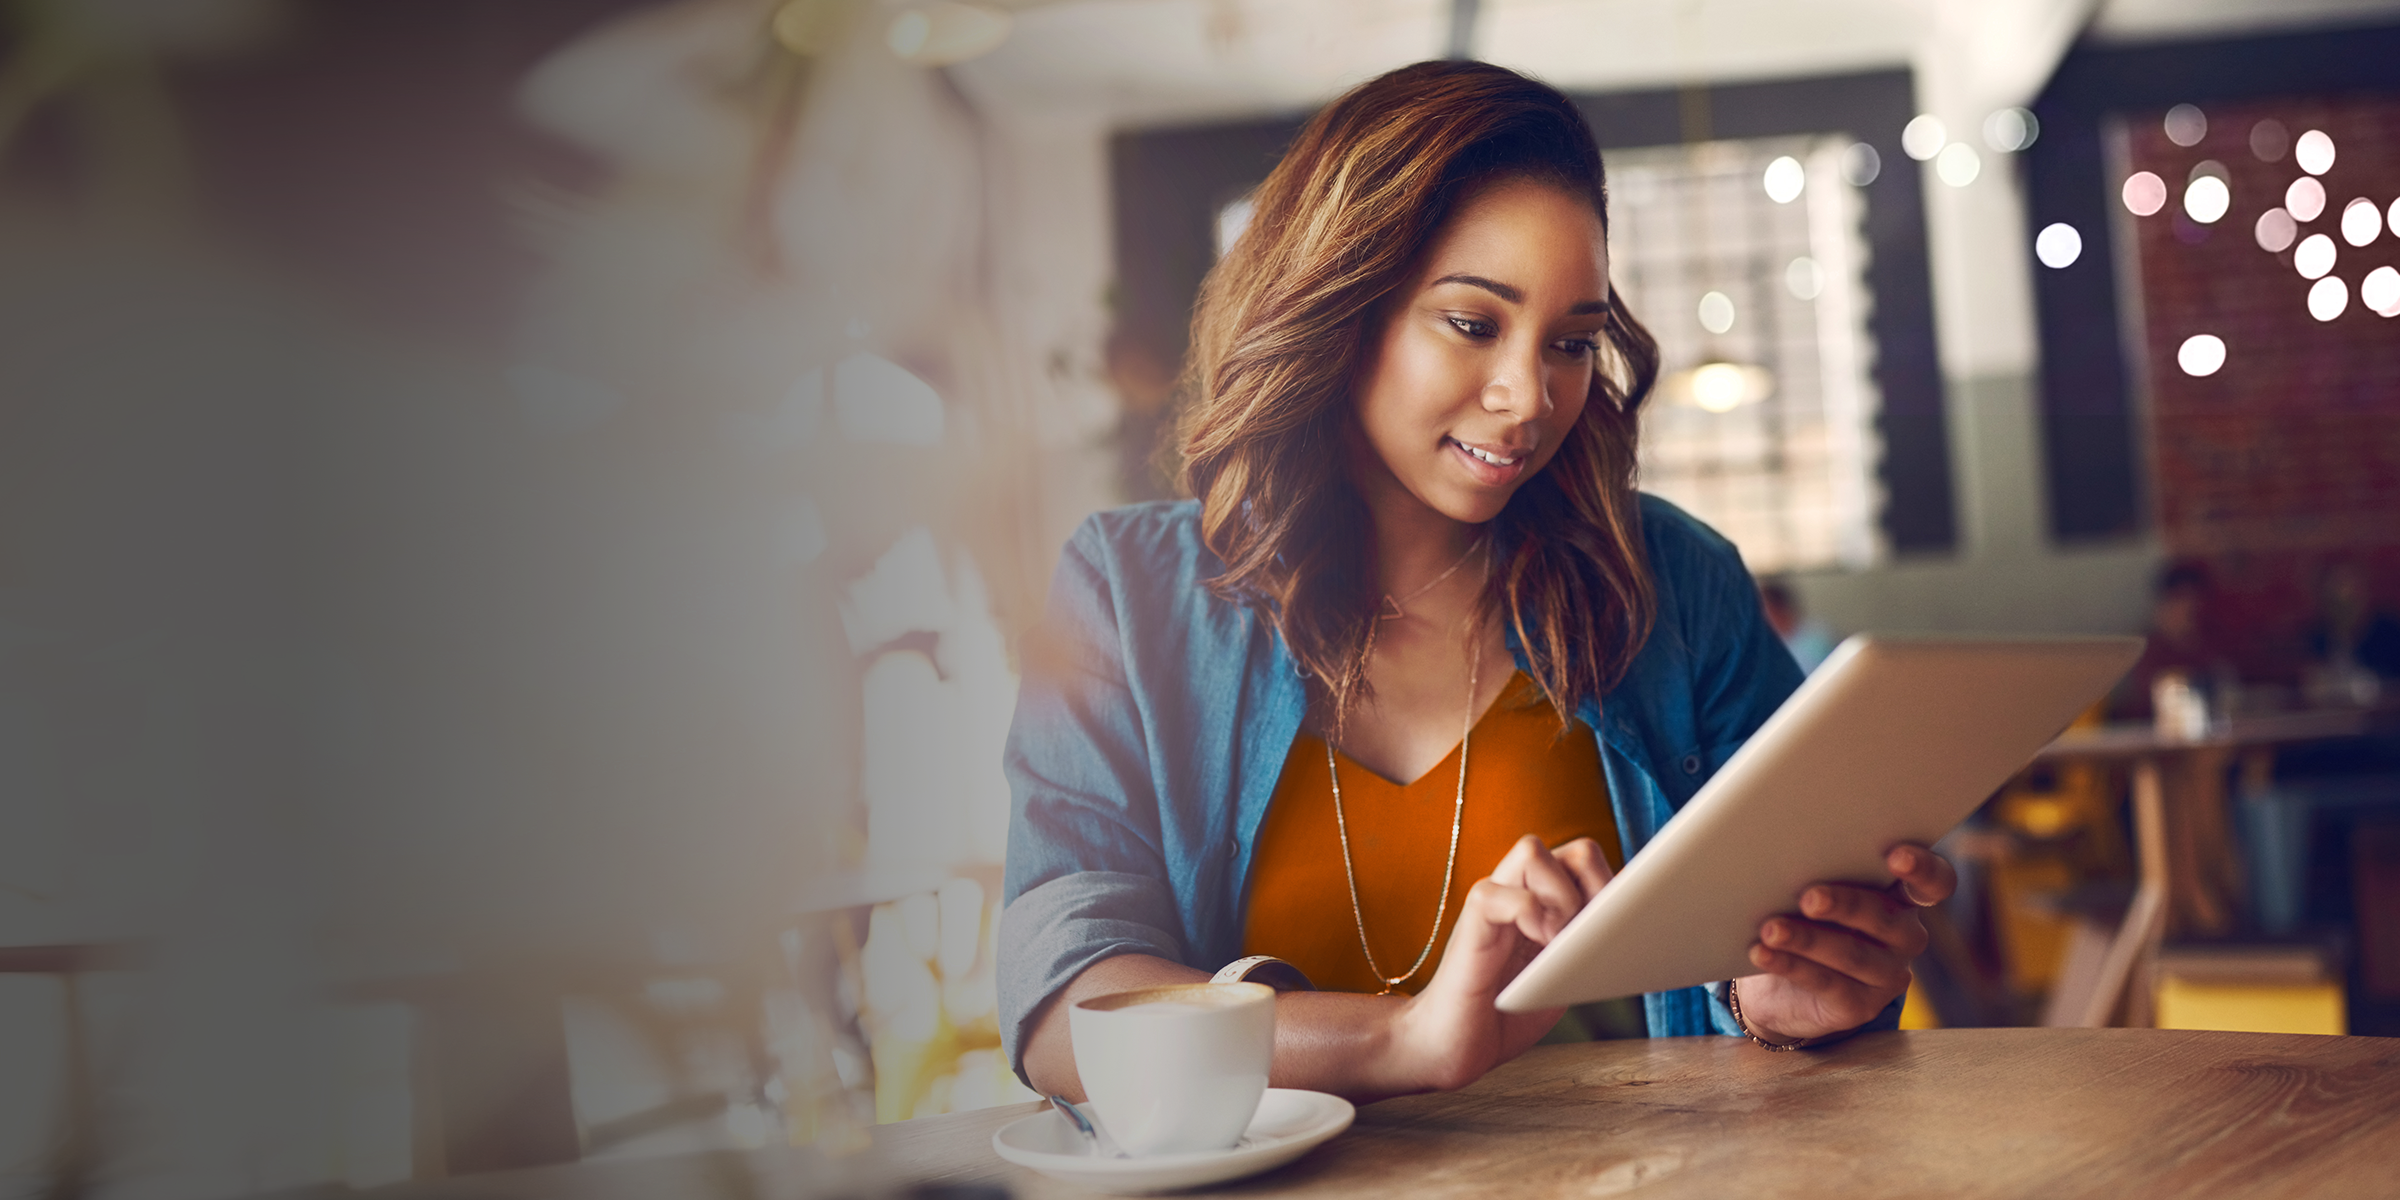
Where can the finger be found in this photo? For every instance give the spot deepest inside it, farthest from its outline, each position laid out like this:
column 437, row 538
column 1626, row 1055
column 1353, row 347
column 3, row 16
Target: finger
column 1584, row 859
column 1923, row 877
column 1835, row 1000
column 1873, row 913
column 1530, row 865
column 1496, row 906
column 1836, row 949
column 1830, row 991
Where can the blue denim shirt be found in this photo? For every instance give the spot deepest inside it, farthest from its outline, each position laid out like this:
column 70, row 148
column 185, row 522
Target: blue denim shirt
column 1154, row 719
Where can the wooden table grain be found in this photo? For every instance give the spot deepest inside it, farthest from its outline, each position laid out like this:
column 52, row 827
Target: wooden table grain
column 1968, row 1112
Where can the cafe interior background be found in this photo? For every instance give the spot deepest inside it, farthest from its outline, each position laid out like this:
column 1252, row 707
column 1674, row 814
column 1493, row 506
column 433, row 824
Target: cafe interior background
column 517, row 517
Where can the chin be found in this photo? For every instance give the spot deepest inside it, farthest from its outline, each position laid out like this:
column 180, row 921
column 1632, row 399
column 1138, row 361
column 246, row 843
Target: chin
column 1475, row 508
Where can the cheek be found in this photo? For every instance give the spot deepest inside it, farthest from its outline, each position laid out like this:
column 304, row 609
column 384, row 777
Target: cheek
column 1568, row 412
column 1575, row 389
column 1413, row 386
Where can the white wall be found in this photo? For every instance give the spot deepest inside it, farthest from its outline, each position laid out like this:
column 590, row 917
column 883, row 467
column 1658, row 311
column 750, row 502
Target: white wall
column 2005, row 576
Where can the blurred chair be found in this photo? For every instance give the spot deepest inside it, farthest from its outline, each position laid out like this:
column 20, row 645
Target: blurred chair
column 2375, row 886
column 2250, row 989
column 76, row 1148
column 2063, row 836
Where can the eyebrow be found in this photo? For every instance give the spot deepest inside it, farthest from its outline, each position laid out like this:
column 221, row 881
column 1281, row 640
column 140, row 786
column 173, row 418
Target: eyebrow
column 1514, row 296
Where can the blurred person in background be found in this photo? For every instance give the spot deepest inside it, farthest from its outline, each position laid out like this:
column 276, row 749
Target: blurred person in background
column 1808, row 638
column 2183, row 638
column 2353, row 645
column 1411, row 443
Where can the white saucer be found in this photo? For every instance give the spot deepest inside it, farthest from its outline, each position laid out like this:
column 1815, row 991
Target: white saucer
column 1289, row 1123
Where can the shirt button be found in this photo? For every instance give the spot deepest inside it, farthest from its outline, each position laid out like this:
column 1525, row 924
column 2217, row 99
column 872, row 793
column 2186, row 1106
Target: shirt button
column 1691, row 764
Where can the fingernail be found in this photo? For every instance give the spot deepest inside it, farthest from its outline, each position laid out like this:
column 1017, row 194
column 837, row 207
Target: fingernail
column 1815, row 902
column 1775, row 934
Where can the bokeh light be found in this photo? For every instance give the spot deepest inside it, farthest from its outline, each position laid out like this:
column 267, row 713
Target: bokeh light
column 2186, row 125
column 2275, row 230
column 1861, row 164
column 2361, row 221
column 2380, row 291
column 2058, row 245
column 942, row 32
column 1958, row 164
column 1784, row 180
column 1233, row 220
column 2328, row 298
column 2269, row 140
column 1716, row 312
column 2010, row 130
column 2145, row 193
column 2392, row 217
column 1719, row 386
column 1923, row 137
column 2201, row 354
column 2206, row 199
column 1804, row 278
column 2314, row 257
column 2305, row 199
column 2314, row 152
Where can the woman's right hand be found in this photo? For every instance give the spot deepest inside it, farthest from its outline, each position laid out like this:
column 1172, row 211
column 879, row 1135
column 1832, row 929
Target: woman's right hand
column 1368, row 1047
column 1450, row 1033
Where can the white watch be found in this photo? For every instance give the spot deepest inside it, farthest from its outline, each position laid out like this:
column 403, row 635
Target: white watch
column 1266, row 969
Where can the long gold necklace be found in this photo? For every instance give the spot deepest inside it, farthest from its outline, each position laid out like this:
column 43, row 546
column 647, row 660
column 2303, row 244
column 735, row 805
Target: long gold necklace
column 1458, row 811
column 1391, row 609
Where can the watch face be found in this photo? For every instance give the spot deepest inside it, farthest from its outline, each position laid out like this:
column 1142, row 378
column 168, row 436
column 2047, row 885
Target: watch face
column 1266, row 969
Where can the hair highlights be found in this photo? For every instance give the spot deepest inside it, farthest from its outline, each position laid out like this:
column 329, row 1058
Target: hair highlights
column 1277, row 338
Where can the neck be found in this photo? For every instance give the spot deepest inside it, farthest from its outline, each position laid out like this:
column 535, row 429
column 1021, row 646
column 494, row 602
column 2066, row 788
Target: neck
column 1414, row 542
column 1419, row 555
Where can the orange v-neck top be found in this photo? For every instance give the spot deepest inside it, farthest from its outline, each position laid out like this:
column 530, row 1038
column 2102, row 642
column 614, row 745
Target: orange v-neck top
column 1522, row 777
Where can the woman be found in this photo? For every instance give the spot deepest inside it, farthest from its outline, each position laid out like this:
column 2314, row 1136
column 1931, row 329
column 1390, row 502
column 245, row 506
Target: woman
column 1411, row 452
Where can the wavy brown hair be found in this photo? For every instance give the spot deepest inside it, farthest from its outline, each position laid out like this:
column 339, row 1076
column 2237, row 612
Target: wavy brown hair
column 1282, row 324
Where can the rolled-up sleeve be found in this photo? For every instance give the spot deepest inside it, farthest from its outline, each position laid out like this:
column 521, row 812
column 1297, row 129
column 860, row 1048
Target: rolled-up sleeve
column 1087, row 875
column 1051, row 933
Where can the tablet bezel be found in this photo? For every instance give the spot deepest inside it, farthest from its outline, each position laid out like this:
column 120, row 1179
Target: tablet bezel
column 1894, row 739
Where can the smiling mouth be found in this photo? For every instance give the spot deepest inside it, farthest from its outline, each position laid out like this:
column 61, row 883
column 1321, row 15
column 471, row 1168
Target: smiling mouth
column 1489, row 457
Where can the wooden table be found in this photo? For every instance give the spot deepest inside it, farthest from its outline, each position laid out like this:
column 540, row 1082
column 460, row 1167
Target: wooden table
column 2189, row 876
column 1966, row 1112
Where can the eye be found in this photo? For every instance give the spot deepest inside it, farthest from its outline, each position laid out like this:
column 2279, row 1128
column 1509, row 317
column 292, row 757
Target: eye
column 1473, row 328
column 1579, row 347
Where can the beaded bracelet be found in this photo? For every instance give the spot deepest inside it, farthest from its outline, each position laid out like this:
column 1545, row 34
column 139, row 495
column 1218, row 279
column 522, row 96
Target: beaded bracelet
column 1733, row 1000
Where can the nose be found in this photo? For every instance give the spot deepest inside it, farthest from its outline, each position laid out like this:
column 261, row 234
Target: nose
column 1519, row 388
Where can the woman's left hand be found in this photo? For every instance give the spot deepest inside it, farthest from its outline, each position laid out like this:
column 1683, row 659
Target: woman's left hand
column 1845, row 955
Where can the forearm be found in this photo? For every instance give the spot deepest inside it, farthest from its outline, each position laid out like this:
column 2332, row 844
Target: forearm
column 1335, row 1042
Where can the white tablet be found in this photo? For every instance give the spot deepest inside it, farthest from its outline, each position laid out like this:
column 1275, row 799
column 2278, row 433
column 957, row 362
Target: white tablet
column 1893, row 739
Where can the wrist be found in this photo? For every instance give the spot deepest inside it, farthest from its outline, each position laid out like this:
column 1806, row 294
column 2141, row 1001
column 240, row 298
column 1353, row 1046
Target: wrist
column 1760, row 1029
column 1411, row 1055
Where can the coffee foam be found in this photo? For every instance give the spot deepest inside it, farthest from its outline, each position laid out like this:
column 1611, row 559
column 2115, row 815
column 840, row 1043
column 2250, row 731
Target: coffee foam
column 1183, row 998
column 1168, row 1008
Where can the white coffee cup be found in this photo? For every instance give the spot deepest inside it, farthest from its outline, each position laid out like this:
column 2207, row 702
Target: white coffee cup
column 1176, row 1069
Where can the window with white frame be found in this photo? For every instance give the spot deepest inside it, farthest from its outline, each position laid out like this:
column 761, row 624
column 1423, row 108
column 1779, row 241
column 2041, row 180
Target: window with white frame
column 1746, row 260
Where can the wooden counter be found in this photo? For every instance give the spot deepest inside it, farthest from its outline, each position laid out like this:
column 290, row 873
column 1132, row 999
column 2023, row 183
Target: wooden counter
column 1971, row 1112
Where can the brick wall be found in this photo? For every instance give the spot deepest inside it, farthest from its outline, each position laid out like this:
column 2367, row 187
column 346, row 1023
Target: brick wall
column 2288, row 457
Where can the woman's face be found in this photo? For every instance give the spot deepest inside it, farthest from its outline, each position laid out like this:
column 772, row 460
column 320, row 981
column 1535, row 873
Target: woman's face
column 1485, row 356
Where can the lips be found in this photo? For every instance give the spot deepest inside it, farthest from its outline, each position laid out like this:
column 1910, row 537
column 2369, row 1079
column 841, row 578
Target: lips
column 1491, row 464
